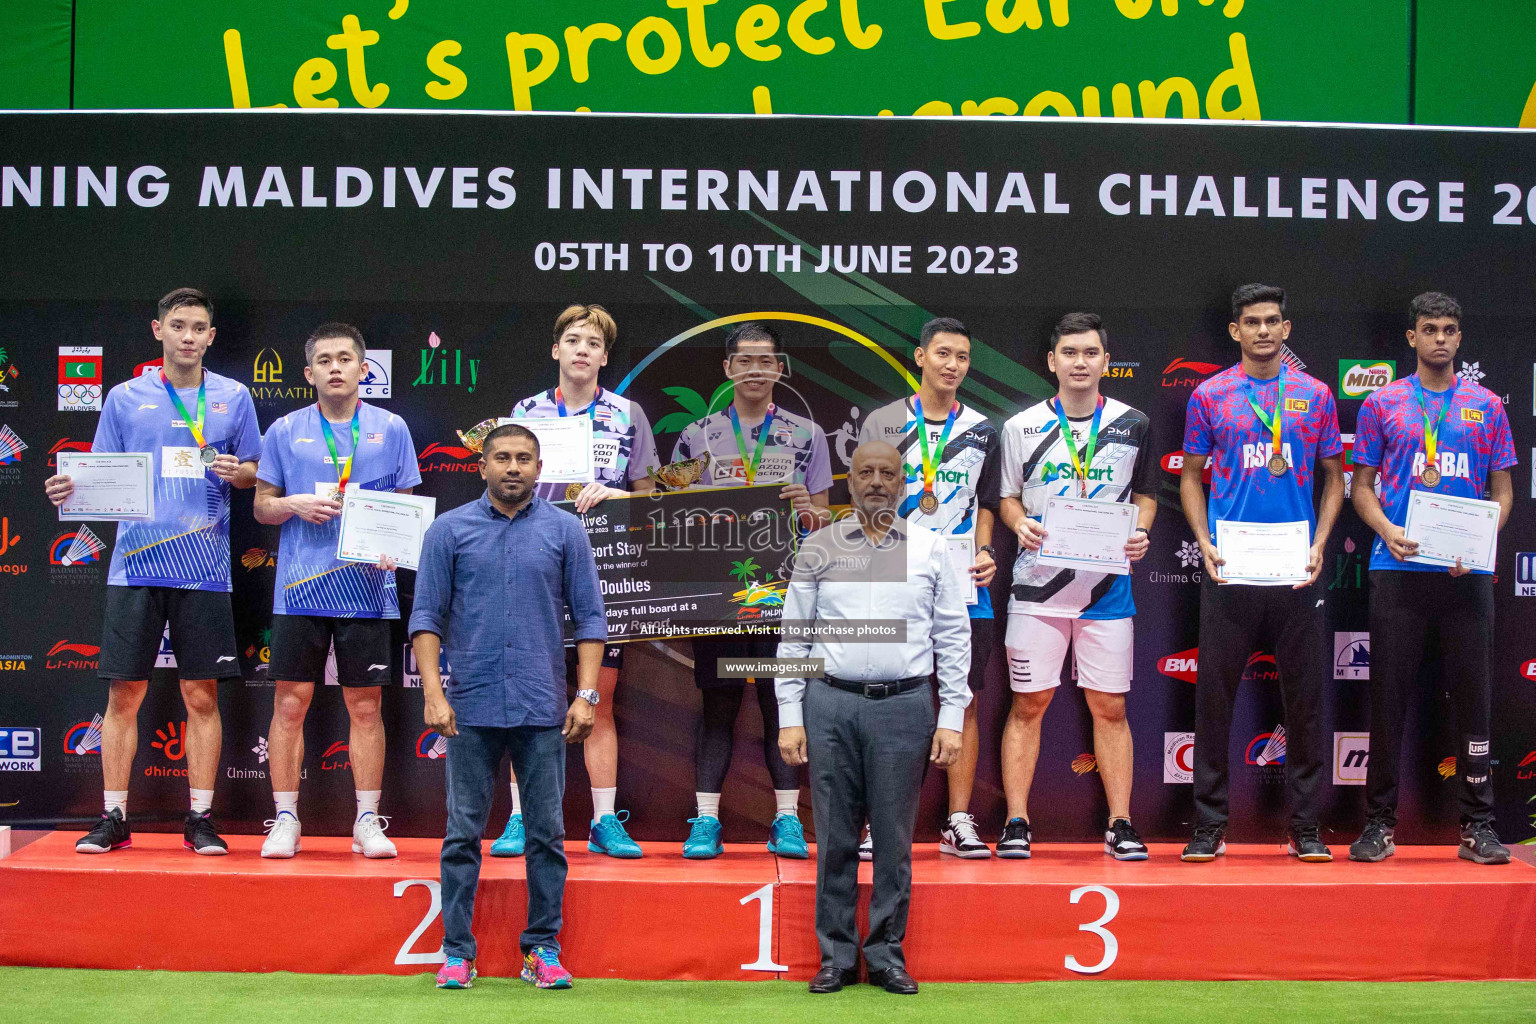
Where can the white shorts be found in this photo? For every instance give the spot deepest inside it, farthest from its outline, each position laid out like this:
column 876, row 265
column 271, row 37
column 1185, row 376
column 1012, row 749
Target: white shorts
column 1037, row 649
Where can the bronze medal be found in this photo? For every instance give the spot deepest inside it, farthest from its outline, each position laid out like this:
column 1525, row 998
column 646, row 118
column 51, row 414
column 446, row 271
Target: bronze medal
column 1277, row 465
column 572, row 491
column 1430, row 476
column 928, row 503
column 338, row 494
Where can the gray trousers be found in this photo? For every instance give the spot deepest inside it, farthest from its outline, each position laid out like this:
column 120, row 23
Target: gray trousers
column 866, row 758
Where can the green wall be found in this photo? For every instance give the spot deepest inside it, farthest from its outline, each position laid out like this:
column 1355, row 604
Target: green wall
column 1431, row 61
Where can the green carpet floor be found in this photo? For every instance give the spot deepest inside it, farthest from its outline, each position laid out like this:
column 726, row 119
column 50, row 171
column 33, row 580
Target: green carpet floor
column 129, row 997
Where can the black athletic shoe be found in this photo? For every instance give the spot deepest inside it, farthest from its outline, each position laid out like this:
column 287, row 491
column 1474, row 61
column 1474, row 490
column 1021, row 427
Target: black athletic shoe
column 959, row 838
column 1122, row 841
column 1304, row 844
column 1014, row 845
column 111, row 833
column 1375, row 843
column 1480, row 844
column 200, row 836
column 1208, row 843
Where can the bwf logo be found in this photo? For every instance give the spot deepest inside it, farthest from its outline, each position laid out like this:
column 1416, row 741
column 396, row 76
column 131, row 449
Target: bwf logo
column 1525, row 574
column 1351, row 758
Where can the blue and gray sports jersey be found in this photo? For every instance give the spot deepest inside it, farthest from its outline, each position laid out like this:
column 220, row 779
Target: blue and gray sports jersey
column 311, row 580
column 186, row 545
column 796, row 451
column 623, row 448
column 968, row 474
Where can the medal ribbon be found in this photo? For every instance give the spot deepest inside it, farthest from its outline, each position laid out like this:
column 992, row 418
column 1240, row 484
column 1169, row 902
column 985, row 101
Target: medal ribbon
column 749, row 466
column 202, row 407
column 343, row 471
column 1084, row 462
column 1273, row 423
column 591, row 409
column 1432, row 427
column 931, row 461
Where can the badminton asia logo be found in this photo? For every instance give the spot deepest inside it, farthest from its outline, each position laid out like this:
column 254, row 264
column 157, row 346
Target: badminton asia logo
column 431, row 745
column 170, row 739
column 82, row 746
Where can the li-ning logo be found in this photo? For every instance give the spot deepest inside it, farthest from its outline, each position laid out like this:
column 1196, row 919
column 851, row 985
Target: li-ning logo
column 1186, row 373
column 447, row 458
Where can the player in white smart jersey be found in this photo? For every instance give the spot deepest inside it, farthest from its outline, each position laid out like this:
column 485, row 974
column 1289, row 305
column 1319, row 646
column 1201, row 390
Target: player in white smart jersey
column 1078, row 444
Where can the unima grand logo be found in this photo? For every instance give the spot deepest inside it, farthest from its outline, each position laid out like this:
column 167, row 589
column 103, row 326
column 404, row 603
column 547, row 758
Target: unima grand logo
column 447, row 458
column 1186, row 373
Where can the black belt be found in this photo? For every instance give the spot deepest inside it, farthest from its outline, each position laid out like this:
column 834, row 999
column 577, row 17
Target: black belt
column 877, row 691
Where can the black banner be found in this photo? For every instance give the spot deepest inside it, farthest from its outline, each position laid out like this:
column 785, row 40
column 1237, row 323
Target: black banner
column 453, row 241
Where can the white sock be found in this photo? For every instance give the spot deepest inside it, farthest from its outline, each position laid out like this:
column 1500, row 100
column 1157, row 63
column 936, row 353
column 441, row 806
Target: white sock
column 603, row 801
column 517, row 803
column 368, row 802
column 287, row 803
column 202, row 799
column 115, row 800
column 788, row 801
column 709, row 805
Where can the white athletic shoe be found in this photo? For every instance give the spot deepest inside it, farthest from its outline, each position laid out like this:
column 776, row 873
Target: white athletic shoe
column 368, row 838
column 282, row 837
column 959, row 839
column 867, row 846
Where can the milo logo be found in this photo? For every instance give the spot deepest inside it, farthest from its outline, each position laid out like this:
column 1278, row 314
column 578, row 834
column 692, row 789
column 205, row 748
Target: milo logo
column 1358, row 378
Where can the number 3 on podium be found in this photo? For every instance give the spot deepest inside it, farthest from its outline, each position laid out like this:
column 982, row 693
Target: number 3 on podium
column 1111, row 944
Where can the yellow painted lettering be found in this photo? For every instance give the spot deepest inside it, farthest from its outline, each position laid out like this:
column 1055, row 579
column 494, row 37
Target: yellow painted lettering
column 698, row 33
column 995, row 105
column 798, row 34
column 314, row 77
column 757, row 23
column 523, row 80
column 934, row 108
column 939, row 28
column 671, row 46
column 1048, row 100
column 1240, row 77
column 234, row 61
column 454, row 81
column 1024, row 13
column 352, row 39
column 578, row 41
column 861, row 37
column 1154, row 98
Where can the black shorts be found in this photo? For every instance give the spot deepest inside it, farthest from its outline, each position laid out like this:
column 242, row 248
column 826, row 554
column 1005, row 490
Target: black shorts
column 983, row 636
column 707, row 652
column 613, row 657
column 301, row 643
column 202, row 633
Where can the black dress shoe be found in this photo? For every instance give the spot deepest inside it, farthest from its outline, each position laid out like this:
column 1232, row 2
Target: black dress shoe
column 895, row 980
column 832, row 979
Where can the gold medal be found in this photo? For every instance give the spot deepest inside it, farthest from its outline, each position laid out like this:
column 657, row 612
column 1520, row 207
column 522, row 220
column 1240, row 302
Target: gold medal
column 572, row 491
column 927, row 503
column 1430, row 476
column 1277, row 465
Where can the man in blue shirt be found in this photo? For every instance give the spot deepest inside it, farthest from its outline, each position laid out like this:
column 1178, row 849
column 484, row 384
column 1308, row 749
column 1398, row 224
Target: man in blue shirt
column 200, row 430
column 496, row 577
column 310, row 458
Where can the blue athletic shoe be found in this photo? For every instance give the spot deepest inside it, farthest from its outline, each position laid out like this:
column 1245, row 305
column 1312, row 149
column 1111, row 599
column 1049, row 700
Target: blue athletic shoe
column 788, row 838
column 703, row 839
column 511, row 842
column 608, row 836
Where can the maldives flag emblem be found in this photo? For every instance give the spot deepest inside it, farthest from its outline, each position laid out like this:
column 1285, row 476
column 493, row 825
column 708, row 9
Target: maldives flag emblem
column 80, row 378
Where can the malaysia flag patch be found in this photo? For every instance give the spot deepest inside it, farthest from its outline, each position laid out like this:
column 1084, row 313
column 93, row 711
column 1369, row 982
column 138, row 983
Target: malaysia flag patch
column 375, row 438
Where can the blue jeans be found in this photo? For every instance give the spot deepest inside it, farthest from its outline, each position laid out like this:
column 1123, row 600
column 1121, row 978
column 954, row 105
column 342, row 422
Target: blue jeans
column 538, row 764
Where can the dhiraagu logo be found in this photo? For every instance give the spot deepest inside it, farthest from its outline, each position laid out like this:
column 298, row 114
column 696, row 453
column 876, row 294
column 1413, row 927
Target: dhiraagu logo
column 1358, row 377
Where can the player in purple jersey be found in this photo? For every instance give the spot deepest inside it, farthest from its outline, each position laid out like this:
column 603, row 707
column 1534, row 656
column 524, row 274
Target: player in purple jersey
column 1430, row 433
column 1263, row 426
column 623, row 455
column 752, row 441
column 311, row 458
column 200, row 430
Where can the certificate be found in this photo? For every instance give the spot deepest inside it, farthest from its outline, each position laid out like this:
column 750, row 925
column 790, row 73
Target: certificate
column 565, row 447
column 108, row 486
column 962, row 555
column 1087, row 533
column 1263, row 554
column 1448, row 528
column 375, row 523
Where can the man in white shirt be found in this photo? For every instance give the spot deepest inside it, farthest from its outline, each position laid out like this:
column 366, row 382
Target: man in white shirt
column 869, row 723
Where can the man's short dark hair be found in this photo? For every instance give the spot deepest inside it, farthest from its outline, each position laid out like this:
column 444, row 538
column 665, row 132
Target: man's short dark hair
column 1433, row 305
column 510, row 430
column 1079, row 323
column 183, row 297
column 1252, row 294
column 335, row 330
column 942, row 325
column 751, row 330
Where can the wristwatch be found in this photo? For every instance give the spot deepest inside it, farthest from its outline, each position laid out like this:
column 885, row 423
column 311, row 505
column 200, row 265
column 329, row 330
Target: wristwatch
column 1142, row 529
column 988, row 549
column 590, row 696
